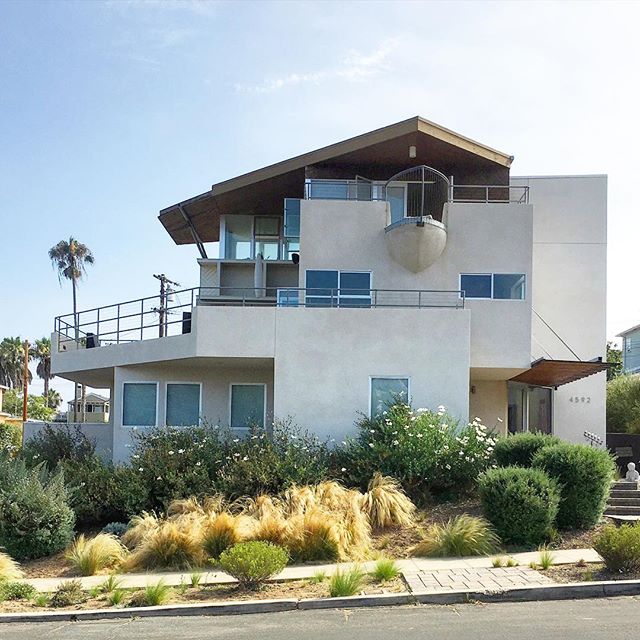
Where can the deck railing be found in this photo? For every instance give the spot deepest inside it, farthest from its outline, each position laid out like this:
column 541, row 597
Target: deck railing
column 155, row 317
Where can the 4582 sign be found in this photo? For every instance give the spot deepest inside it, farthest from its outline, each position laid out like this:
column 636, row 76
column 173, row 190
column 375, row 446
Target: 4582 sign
column 580, row 399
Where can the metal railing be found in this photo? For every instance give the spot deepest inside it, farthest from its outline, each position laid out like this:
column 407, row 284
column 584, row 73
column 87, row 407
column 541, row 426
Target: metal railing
column 145, row 318
column 489, row 194
column 330, row 189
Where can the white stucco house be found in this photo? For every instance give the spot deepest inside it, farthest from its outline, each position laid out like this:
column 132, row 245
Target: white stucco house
column 407, row 259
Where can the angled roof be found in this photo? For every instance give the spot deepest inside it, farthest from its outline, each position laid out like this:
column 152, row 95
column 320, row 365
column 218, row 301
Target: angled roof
column 626, row 332
column 555, row 373
column 92, row 397
column 196, row 220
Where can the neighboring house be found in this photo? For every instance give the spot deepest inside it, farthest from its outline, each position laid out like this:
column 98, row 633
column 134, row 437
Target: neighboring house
column 96, row 409
column 631, row 349
column 403, row 261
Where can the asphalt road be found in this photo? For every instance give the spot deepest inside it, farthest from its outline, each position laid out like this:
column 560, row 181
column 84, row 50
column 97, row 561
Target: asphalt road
column 584, row 619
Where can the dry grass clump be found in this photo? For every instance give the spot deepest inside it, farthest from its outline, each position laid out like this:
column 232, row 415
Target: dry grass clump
column 219, row 532
column 9, row 568
column 313, row 535
column 88, row 556
column 463, row 536
column 386, row 504
column 175, row 544
column 139, row 527
column 183, row 507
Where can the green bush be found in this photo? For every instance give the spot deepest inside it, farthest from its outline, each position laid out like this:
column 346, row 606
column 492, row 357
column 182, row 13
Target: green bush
column 427, row 451
column 518, row 449
column 619, row 547
column 68, row 593
column 56, row 443
column 623, row 404
column 521, row 504
column 16, row 591
column 584, row 475
column 10, row 438
column 117, row 529
column 253, row 563
column 35, row 517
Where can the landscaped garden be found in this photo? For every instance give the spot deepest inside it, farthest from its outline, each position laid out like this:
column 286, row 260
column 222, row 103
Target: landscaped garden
column 200, row 500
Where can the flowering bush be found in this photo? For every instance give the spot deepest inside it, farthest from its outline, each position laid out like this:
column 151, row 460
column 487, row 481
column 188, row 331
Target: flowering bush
column 427, row 451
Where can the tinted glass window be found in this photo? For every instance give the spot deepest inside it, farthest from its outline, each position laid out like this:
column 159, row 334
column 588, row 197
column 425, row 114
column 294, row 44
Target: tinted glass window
column 386, row 391
column 183, row 404
column 476, row 285
column 322, row 282
column 139, row 404
column 247, row 405
column 508, row 286
column 355, row 283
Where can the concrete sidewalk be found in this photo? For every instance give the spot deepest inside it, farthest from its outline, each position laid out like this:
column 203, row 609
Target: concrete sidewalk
column 408, row 566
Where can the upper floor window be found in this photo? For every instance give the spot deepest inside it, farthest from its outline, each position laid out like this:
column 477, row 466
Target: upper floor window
column 246, row 237
column 493, row 286
column 183, row 404
column 333, row 288
column 139, row 404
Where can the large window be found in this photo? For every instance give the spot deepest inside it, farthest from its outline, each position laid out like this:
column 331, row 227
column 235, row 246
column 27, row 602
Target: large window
column 385, row 391
column 237, row 237
column 139, row 404
column 183, row 404
column 248, row 405
column 496, row 286
column 329, row 288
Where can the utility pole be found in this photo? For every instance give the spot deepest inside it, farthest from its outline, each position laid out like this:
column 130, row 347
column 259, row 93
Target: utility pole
column 25, row 381
column 165, row 290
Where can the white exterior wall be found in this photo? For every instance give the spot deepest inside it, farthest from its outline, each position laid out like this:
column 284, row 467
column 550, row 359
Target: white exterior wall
column 215, row 393
column 569, row 291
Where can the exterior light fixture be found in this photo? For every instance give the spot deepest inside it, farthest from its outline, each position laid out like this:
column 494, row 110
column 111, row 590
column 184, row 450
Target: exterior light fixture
column 412, row 151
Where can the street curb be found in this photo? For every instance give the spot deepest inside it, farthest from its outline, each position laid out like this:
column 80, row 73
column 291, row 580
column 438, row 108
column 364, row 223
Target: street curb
column 576, row 590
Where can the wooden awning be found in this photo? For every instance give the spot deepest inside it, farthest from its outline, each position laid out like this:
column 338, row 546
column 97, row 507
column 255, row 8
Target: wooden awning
column 555, row 373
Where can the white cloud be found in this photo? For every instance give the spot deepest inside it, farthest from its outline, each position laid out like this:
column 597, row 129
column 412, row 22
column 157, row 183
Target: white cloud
column 354, row 67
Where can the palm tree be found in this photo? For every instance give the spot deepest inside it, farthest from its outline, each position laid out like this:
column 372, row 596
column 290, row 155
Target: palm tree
column 12, row 363
column 42, row 353
column 70, row 259
column 54, row 399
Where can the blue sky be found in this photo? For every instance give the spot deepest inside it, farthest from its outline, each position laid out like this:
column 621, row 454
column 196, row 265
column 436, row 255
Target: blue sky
column 110, row 111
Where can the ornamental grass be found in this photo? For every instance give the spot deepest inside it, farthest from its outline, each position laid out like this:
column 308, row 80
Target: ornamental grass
column 9, row 568
column 88, row 556
column 386, row 504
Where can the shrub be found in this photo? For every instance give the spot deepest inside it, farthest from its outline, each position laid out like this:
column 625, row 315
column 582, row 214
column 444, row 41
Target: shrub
column 346, row 583
column 116, row 597
column 619, row 547
column 385, row 569
column 16, row 591
column 41, row 600
column 117, row 529
column 253, row 563
column 623, row 404
column 462, row 536
column 35, row 517
column 112, row 583
column 90, row 555
column 584, row 474
column 138, row 529
column 152, row 595
column 9, row 568
column 10, row 438
column 68, row 593
column 426, row 451
column 520, row 503
column 53, row 444
column 386, row 504
column 518, row 449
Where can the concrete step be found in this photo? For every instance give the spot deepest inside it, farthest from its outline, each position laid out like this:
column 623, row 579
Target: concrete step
column 623, row 493
column 623, row 485
column 622, row 519
column 620, row 510
column 624, row 502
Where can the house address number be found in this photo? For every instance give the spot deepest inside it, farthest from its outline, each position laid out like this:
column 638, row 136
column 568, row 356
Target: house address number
column 586, row 399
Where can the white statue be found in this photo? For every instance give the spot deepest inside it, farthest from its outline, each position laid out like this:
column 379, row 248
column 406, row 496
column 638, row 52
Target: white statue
column 632, row 474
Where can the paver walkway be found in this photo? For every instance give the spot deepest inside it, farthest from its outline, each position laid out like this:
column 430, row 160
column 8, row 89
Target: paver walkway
column 497, row 579
column 408, row 566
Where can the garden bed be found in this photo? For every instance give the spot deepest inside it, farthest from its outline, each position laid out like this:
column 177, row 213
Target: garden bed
column 297, row 589
column 580, row 572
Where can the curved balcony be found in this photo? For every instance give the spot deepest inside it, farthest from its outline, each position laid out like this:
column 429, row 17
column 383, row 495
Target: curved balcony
column 416, row 235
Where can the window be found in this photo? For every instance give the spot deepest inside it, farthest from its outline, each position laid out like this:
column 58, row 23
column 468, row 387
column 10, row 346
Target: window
column 183, row 404
column 139, row 404
column 496, row 286
column 328, row 288
column 237, row 237
column 396, row 200
column 386, row 391
column 266, row 235
column 248, row 405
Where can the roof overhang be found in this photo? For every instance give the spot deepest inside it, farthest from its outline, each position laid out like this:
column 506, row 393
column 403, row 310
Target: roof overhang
column 555, row 373
column 384, row 150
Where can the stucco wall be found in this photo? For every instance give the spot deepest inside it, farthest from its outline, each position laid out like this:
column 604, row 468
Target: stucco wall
column 488, row 401
column 215, row 380
column 325, row 357
column 569, row 290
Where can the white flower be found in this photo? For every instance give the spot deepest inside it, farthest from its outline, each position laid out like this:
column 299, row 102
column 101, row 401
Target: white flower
column 159, row 478
column 140, row 469
column 180, row 450
column 245, row 458
column 448, row 466
column 343, row 469
column 171, row 452
column 198, row 463
column 395, row 442
column 135, row 457
column 372, row 430
column 237, row 440
column 371, row 444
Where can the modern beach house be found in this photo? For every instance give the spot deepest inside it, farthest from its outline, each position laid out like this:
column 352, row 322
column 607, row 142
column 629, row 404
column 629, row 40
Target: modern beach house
column 407, row 260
